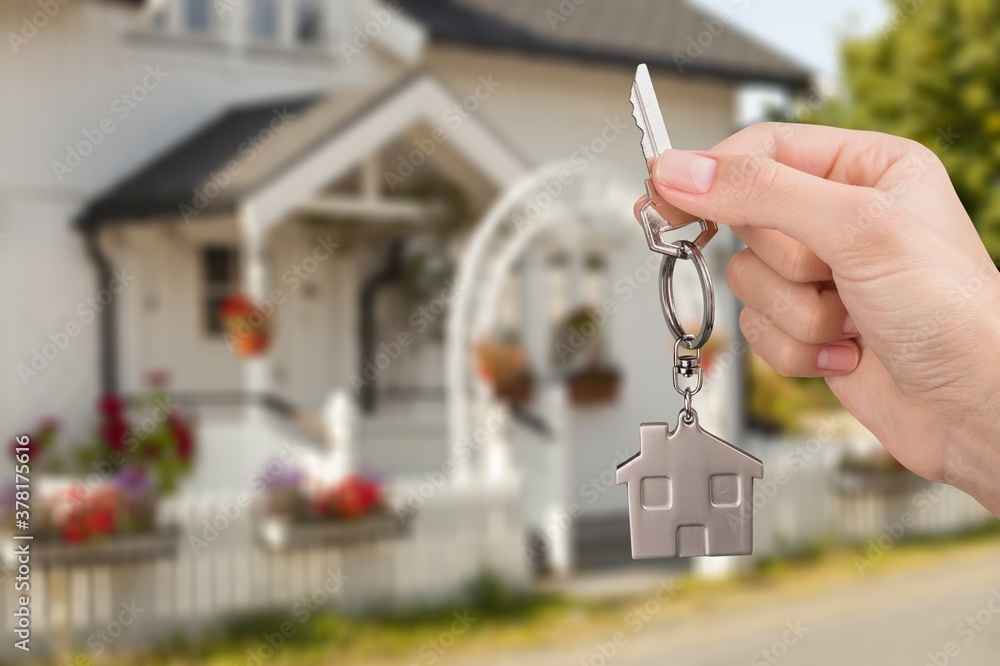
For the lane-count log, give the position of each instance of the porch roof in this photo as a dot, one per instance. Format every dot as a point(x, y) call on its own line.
point(167, 185)
point(622, 32)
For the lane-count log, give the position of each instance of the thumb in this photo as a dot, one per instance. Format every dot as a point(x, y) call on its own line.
point(757, 191)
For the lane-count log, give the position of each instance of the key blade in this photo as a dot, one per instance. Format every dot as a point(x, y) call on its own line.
point(646, 111)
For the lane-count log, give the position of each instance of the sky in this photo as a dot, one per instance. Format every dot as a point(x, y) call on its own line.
point(809, 32)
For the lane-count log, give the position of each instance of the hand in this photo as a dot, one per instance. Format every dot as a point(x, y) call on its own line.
point(863, 268)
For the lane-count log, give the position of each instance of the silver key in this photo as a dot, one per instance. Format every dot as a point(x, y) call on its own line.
point(655, 140)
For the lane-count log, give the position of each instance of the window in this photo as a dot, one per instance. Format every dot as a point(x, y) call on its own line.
point(656, 492)
point(264, 18)
point(725, 490)
point(198, 15)
point(309, 22)
point(220, 280)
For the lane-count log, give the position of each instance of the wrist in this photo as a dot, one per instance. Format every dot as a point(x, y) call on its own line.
point(973, 461)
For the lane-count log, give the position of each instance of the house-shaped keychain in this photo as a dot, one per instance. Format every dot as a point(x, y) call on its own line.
point(689, 493)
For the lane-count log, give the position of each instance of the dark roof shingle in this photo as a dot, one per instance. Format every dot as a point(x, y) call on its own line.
point(622, 31)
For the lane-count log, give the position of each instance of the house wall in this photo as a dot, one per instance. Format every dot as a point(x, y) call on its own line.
point(63, 82)
point(546, 109)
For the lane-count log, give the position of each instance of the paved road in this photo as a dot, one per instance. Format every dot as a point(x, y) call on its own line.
point(910, 617)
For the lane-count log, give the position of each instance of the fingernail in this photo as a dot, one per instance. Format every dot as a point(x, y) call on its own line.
point(849, 327)
point(685, 171)
point(838, 357)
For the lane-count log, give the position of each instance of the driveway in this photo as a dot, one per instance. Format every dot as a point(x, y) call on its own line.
point(942, 610)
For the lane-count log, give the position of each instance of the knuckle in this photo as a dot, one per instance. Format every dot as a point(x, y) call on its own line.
point(754, 175)
point(749, 326)
point(784, 361)
point(797, 262)
point(736, 272)
point(812, 324)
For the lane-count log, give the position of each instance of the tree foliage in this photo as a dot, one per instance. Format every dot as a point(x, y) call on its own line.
point(933, 71)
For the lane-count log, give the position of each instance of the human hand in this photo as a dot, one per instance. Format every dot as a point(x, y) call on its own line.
point(863, 268)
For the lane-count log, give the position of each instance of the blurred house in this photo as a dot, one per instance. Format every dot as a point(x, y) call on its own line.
point(163, 156)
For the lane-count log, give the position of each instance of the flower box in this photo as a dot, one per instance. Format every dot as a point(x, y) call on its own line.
point(115, 549)
point(279, 534)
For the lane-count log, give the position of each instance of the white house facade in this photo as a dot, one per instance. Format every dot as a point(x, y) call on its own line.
point(160, 156)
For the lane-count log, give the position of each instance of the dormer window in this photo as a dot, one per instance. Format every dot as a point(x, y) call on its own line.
point(198, 15)
point(264, 20)
point(260, 26)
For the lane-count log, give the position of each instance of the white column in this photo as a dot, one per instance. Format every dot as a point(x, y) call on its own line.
point(340, 416)
point(558, 518)
point(256, 370)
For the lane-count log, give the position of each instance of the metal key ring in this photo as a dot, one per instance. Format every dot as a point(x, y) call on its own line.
point(667, 302)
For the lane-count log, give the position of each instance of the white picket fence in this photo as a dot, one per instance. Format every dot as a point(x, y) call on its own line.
point(458, 534)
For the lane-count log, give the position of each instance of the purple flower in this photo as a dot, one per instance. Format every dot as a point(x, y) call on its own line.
point(288, 478)
point(134, 482)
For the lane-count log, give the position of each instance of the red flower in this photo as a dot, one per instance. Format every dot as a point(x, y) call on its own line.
point(113, 433)
point(101, 520)
point(355, 497)
point(75, 528)
point(182, 436)
point(111, 405)
point(32, 446)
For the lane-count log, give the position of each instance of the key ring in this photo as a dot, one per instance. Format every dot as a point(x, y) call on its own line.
point(669, 305)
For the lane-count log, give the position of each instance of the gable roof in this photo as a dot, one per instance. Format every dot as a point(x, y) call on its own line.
point(169, 180)
point(633, 464)
point(265, 150)
point(622, 31)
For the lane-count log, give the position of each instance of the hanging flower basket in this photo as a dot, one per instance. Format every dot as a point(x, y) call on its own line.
point(248, 328)
point(504, 366)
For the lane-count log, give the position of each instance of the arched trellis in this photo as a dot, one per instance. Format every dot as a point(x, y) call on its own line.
point(568, 201)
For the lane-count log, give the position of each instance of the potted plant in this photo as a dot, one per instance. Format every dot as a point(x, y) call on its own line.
point(248, 329)
point(579, 350)
point(594, 385)
point(503, 364)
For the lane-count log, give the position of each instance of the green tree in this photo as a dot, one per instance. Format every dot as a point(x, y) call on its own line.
point(932, 73)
